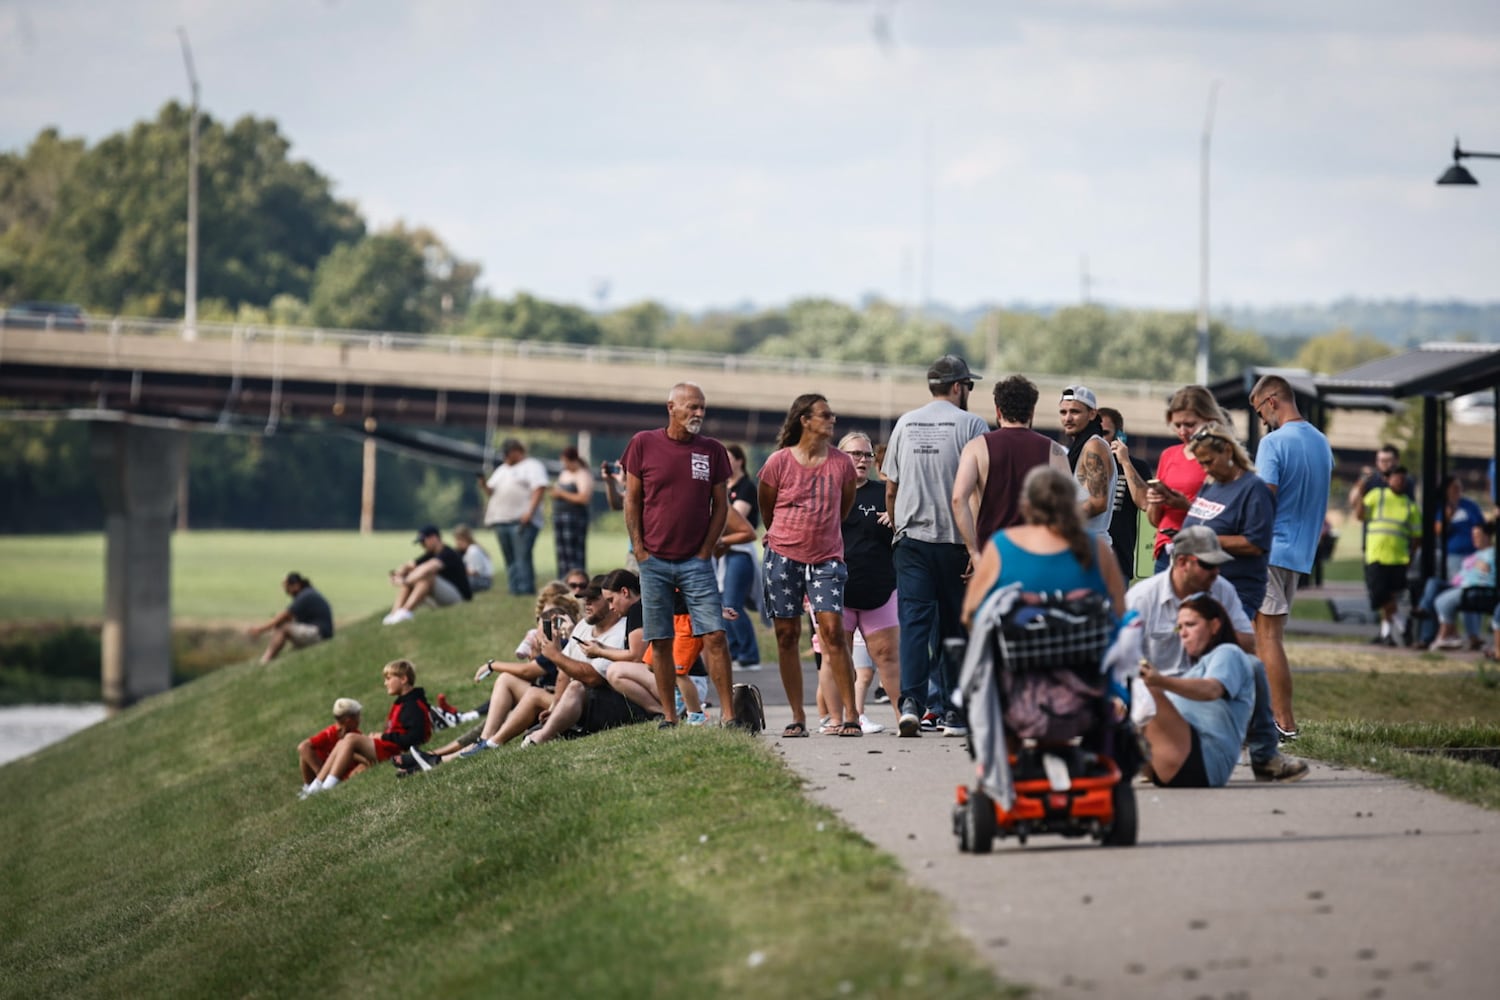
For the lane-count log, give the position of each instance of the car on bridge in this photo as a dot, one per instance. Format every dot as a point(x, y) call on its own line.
point(45, 316)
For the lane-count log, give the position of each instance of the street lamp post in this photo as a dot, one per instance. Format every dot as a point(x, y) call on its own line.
point(1208, 131)
point(1458, 173)
point(190, 293)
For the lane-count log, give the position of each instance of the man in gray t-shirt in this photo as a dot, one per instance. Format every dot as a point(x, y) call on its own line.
point(921, 462)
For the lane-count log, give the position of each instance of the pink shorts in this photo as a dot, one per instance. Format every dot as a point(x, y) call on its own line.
point(872, 621)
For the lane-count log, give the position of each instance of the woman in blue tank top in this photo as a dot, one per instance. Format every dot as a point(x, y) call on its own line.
point(1049, 550)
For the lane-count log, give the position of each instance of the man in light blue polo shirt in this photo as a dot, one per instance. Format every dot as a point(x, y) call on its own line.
point(1297, 463)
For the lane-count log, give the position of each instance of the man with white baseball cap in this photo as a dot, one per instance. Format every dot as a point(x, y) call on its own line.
point(1089, 456)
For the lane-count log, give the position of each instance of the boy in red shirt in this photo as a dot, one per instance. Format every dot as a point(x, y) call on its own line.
point(408, 724)
point(315, 750)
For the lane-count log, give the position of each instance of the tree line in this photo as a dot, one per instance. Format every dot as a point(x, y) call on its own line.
point(105, 226)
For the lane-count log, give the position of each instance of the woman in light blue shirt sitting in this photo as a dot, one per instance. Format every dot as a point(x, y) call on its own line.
point(1201, 716)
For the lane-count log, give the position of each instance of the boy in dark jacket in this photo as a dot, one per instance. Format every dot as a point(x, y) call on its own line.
point(408, 724)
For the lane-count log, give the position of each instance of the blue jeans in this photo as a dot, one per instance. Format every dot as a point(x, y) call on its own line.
point(930, 584)
point(516, 540)
point(1427, 629)
point(1260, 735)
point(739, 576)
point(660, 581)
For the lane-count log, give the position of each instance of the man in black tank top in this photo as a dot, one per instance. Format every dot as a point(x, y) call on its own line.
point(987, 489)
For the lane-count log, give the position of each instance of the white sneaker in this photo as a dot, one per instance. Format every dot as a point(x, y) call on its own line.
point(398, 616)
point(309, 790)
point(870, 727)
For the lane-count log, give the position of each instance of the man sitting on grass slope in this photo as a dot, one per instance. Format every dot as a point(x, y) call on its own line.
point(584, 697)
point(408, 724)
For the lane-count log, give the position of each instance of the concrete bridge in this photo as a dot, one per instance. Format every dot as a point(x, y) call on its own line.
point(284, 374)
point(144, 383)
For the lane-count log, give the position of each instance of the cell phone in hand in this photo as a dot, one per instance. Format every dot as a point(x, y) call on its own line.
point(1157, 484)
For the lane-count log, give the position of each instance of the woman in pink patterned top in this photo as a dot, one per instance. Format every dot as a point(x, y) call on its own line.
point(806, 490)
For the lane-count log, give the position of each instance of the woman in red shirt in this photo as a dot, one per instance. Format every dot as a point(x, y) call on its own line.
point(806, 491)
point(1178, 474)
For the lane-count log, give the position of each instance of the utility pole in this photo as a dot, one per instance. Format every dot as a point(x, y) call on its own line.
point(190, 293)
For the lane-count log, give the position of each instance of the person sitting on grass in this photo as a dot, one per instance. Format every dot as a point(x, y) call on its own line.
point(1202, 715)
point(407, 725)
point(584, 698)
point(476, 561)
point(522, 690)
point(530, 693)
point(314, 751)
point(438, 575)
point(307, 620)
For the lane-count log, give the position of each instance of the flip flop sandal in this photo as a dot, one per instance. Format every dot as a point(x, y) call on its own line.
point(793, 731)
point(851, 729)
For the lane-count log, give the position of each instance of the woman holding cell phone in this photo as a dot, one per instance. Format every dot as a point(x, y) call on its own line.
point(1179, 477)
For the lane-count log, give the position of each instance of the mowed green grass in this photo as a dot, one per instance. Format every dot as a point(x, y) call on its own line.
point(234, 577)
point(164, 853)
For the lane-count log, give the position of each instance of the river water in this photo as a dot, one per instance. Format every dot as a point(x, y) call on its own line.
point(25, 729)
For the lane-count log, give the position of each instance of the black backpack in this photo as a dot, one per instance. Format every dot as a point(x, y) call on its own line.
point(749, 710)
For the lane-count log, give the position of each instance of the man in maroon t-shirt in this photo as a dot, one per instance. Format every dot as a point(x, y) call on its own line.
point(676, 502)
point(987, 489)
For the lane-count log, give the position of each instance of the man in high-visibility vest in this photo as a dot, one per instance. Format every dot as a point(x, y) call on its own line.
point(1393, 526)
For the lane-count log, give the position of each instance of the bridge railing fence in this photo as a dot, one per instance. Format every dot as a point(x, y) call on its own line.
point(388, 341)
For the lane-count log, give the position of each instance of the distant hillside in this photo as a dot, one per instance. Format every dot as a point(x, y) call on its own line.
point(1398, 322)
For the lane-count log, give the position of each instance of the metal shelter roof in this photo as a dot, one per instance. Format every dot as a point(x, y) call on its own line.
point(1429, 370)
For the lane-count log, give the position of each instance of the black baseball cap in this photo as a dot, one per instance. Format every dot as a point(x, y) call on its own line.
point(425, 530)
point(948, 369)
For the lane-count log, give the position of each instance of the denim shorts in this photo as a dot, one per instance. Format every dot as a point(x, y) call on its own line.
point(787, 581)
point(662, 578)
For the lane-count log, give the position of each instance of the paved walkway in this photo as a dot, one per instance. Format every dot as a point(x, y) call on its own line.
point(1346, 884)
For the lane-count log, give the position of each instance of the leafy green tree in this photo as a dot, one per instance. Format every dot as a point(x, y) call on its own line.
point(116, 231)
point(880, 334)
point(29, 186)
point(375, 284)
point(1339, 351)
point(1092, 340)
point(526, 317)
point(642, 324)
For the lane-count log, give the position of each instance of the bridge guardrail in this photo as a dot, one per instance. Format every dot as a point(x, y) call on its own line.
point(375, 340)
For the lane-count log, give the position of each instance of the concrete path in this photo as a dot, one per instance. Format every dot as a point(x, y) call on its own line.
point(1346, 884)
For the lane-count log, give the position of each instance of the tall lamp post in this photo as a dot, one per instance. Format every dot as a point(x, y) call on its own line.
point(1458, 173)
point(1208, 131)
point(190, 306)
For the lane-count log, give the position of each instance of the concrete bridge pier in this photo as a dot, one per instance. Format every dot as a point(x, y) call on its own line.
point(138, 469)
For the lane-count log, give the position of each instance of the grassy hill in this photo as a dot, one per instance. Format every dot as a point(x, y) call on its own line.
point(164, 853)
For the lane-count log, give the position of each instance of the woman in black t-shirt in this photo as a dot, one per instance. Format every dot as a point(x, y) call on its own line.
point(870, 594)
point(737, 575)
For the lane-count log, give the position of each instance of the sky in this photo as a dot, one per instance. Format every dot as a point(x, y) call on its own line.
point(708, 153)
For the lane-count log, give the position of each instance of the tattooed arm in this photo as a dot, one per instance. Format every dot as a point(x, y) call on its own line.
point(1093, 472)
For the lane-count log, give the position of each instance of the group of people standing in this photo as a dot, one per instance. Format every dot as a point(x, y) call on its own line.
point(1383, 500)
point(515, 492)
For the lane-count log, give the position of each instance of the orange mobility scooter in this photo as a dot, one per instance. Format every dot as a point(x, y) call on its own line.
point(1049, 730)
